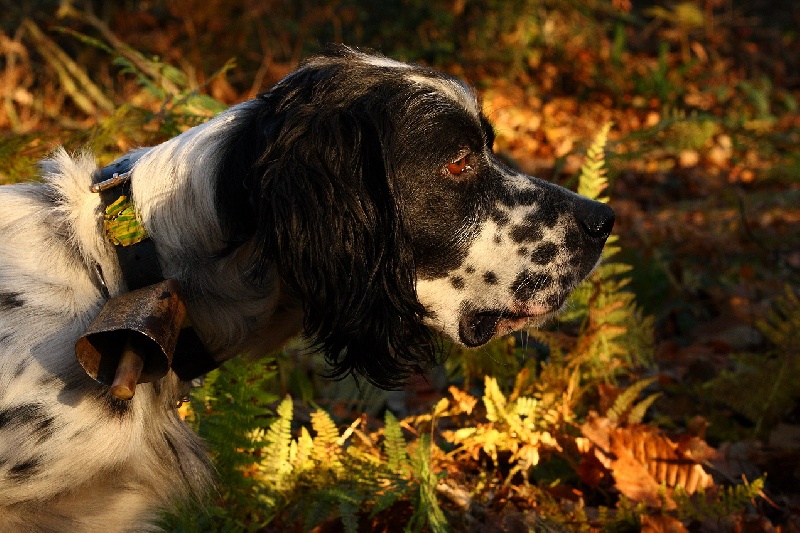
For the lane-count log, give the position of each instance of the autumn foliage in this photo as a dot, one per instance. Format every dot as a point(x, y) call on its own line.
point(665, 398)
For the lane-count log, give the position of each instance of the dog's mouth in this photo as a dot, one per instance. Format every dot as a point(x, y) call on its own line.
point(479, 327)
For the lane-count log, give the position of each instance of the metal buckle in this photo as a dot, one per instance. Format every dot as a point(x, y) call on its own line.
point(118, 178)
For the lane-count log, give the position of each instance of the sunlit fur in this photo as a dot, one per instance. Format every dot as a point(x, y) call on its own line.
point(323, 206)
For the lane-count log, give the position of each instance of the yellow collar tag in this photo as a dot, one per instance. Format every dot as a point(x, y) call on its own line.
point(122, 224)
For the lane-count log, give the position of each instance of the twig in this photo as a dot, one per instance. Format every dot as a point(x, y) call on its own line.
point(73, 78)
point(126, 51)
point(266, 62)
point(11, 61)
point(457, 495)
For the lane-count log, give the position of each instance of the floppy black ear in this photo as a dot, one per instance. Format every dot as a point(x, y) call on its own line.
point(327, 216)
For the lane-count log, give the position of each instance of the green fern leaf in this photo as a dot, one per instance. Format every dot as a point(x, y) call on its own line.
point(592, 181)
point(636, 415)
point(327, 450)
point(427, 510)
point(229, 411)
point(278, 466)
point(624, 401)
point(614, 333)
point(717, 503)
point(783, 322)
point(772, 377)
point(394, 445)
point(494, 400)
point(305, 444)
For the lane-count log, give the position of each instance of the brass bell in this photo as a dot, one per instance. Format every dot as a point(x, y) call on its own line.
point(133, 338)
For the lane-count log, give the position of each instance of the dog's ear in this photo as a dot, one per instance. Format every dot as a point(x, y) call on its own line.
point(329, 219)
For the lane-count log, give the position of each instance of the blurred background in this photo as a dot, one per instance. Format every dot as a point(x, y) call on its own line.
point(693, 329)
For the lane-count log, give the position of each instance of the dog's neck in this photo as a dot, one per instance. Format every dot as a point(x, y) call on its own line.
point(136, 253)
point(173, 188)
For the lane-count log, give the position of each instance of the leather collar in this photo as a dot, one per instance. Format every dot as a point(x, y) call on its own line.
point(140, 268)
point(138, 262)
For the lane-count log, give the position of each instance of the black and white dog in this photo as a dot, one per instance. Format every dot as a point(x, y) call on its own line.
point(357, 201)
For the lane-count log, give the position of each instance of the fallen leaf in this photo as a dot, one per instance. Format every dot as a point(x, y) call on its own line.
point(641, 459)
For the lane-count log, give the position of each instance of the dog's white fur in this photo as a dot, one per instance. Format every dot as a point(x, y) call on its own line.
point(124, 468)
point(83, 470)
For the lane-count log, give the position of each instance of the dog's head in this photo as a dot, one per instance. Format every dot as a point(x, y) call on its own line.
point(372, 187)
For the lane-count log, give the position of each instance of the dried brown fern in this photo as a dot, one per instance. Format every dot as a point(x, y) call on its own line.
point(641, 460)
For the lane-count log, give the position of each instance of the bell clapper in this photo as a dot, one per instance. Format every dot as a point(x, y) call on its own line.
point(128, 372)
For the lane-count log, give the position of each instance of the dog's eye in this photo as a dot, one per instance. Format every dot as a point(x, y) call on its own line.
point(459, 166)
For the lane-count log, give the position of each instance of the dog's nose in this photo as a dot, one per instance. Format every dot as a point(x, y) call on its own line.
point(596, 218)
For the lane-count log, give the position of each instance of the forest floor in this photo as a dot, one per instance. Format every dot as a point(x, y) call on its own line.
point(704, 167)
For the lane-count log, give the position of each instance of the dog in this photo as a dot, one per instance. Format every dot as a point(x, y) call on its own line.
point(358, 202)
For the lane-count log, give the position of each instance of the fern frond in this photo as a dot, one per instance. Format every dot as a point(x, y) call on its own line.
point(783, 322)
point(717, 503)
point(592, 181)
point(526, 407)
point(394, 445)
point(327, 450)
point(494, 400)
point(348, 511)
point(523, 427)
point(771, 377)
point(229, 411)
point(305, 444)
point(636, 415)
point(277, 467)
point(614, 332)
point(624, 402)
point(327, 433)
point(427, 510)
